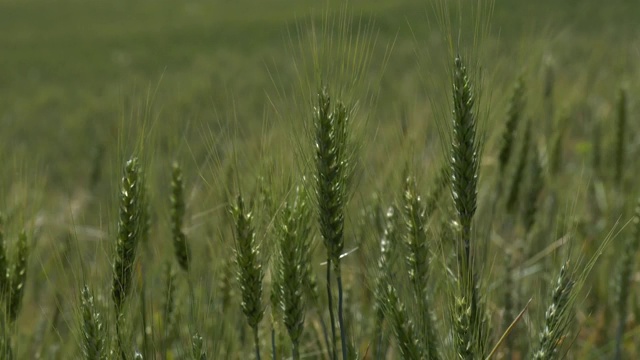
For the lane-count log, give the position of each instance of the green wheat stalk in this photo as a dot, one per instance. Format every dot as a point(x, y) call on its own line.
point(557, 317)
point(129, 227)
point(390, 234)
point(180, 245)
point(197, 348)
point(250, 270)
point(129, 230)
point(418, 261)
point(333, 171)
point(294, 231)
point(627, 265)
point(18, 277)
point(93, 335)
point(168, 306)
point(464, 159)
point(514, 114)
point(402, 325)
point(469, 320)
point(275, 298)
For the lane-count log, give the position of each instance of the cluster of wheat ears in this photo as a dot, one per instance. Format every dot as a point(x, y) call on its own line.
point(426, 277)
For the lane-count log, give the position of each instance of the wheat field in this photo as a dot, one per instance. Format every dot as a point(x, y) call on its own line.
point(301, 180)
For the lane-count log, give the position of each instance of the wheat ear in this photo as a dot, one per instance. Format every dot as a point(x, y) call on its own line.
point(385, 266)
point(129, 229)
point(403, 327)
point(333, 168)
point(180, 245)
point(469, 317)
point(18, 277)
point(514, 114)
point(417, 259)
point(93, 346)
point(250, 270)
point(556, 317)
point(294, 233)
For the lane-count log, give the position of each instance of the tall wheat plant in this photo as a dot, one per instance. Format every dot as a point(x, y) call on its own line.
point(333, 172)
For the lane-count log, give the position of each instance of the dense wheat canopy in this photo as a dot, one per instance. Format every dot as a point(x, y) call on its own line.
point(381, 179)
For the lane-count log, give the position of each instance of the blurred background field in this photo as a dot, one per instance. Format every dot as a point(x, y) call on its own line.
point(74, 69)
point(85, 83)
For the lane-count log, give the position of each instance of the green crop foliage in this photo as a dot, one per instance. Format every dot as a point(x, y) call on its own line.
point(379, 180)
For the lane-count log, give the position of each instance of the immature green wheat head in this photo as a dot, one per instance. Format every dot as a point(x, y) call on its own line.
point(295, 245)
point(418, 258)
point(469, 316)
point(250, 270)
point(514, 114)
point(93, 336)
point(332, 171)
point(129, 227)
point(557, 318)
point(180, 245)
point(465, 163)
point(18, 277)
